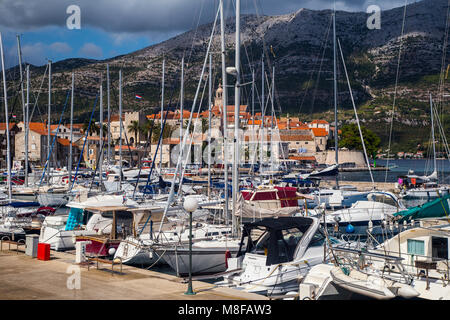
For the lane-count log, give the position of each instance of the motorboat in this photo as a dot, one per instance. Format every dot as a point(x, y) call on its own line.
point(273, 253)
point(425, 250)
point(269, 201)
point(210, 248)
point(363, 215)
point(335, 198)
point(60, 231)
point(352, 276)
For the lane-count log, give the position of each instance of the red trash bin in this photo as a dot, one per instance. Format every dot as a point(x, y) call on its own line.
point(43, 251)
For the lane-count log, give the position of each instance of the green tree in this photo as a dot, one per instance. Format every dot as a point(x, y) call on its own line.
point(135, 129)
point(205, 125)
point(191, 127)
point(350, 139)
point(168, 130)
point(146, 129)
point(94, 128)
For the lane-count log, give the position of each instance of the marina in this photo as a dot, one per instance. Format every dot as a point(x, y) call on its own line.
point(174, 172)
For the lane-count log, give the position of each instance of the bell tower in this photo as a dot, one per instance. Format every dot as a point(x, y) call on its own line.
point(218, 99)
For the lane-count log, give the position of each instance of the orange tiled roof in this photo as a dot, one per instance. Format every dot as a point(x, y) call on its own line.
point(3, 126)
point(65, 142)
point(311, 158)
point(320, 121)
point(319, 132)
point(171, 141)
point(116, 148)
point(39, 128)
point(254, 122)
point(296, 137)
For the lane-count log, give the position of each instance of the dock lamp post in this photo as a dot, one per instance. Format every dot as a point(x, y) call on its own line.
point(190, 205)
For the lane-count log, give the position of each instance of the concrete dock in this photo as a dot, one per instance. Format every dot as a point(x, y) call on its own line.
point(23, 277)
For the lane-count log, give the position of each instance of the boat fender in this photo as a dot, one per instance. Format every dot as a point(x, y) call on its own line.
point(350, 228)
point(404, 291)
point(227, 256)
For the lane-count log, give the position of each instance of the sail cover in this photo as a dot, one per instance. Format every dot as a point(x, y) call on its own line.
point(437, 208)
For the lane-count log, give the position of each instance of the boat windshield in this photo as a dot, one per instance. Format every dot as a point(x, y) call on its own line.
point(279, 246)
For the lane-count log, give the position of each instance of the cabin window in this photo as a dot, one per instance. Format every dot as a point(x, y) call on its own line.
point(317, 240)
point(439, 248)
point(287, 242)
point(416, 247)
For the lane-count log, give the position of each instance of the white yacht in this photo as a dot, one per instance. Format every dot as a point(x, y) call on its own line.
point(60, 231)
point(273, 253)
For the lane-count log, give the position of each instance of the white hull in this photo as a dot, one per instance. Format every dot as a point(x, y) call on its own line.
point(60, 239)
point(204, 260)
point(431, 193)
point(134, 252)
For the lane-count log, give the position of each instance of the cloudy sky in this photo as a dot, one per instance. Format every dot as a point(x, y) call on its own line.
point(113, 27)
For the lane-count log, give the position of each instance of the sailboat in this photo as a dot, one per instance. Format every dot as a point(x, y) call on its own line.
point(209, 255)
point(323, 196)
point(426, 187)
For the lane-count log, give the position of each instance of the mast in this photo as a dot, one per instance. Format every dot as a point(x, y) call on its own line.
point(432, 134)
point(224, 109)
point(100, 162)
point(261, 131)
point(120, 128)
point(209, 125)
point(48, 121)
point(19, 53)
point(273, 114)
point(162, 115)
point(5, 95)
point(181, 104)
point(237, 99)
point(336, 149)
point(253, 119)
point(109, 115)
point(71, 129)
point(26, 124)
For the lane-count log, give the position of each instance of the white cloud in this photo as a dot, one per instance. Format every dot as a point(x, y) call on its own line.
point(91, 50)
point(36, 53)
point(61, 47)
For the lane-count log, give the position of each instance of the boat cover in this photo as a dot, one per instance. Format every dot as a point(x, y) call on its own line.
point(437, 208)
point(75, 218)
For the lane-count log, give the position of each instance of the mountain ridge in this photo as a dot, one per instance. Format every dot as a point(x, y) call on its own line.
point(303, 68)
